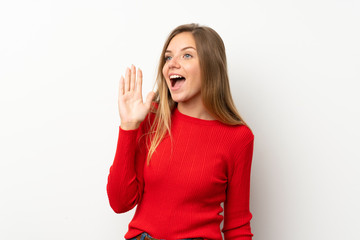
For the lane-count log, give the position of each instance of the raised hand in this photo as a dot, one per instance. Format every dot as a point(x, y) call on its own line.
point(132, 109)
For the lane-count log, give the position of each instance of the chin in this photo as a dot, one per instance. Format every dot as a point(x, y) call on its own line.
point(177, 99)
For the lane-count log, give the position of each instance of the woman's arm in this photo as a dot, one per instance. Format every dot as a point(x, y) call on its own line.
point(237, 214)
point(125, 180)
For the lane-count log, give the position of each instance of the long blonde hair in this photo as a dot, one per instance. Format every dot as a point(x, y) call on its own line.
point(215, 89)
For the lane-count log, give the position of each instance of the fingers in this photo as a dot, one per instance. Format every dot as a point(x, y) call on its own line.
point(133, 78)
point(130, 79)
point(139, 83)
point(127, 80)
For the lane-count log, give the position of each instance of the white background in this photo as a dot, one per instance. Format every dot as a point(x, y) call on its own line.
point(294, 68)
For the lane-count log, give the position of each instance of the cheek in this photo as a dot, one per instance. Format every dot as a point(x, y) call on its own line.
point(194, 68)
point(165, 72)
point(195, 71)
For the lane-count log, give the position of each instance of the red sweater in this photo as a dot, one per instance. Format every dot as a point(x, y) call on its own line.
point(179, 194)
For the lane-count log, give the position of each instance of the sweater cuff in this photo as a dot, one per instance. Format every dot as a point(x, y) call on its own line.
point(132, 131)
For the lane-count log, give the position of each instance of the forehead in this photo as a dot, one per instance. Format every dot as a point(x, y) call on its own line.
point(180, 41)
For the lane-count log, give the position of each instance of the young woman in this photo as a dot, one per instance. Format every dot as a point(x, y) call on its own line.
point(185, 150)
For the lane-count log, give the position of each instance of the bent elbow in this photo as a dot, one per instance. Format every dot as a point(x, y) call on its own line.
point(120, 208)
point(123, 198)
point(122, 204)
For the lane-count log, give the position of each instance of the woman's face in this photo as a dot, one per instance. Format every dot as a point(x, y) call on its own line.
point(182, 69)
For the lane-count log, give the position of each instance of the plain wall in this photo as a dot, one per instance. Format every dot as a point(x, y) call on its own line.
point(294, 72)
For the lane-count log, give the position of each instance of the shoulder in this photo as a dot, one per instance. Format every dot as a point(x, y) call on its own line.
point(242, 148)
point(240, 138)
point(240, 133)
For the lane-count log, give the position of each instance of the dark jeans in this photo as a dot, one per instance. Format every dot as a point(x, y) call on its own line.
point(145, 236)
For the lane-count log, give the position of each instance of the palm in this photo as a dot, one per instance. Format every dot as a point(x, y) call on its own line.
point(132, 109)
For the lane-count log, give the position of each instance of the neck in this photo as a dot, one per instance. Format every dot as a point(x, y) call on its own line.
point(194, 110)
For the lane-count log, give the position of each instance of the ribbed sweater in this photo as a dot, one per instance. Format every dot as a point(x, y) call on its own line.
point(179, 195)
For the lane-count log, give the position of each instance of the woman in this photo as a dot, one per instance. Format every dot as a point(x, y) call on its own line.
point(182, 154)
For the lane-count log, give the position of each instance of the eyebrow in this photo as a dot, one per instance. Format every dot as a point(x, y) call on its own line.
point(182, 49)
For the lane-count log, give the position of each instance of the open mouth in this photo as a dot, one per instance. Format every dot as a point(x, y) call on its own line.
point(176, 80)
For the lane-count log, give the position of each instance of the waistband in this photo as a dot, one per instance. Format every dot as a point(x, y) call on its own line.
point(146, 236)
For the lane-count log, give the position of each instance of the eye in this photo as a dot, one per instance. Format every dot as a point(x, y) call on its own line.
point(187, 55)
point(167, 58)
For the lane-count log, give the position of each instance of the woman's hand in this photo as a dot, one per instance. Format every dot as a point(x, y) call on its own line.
point(132, 109)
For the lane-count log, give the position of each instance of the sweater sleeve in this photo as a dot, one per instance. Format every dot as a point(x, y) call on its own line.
point(237, 214)
point(125, 180)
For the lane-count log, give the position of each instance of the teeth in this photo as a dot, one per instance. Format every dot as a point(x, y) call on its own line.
point(175, 76)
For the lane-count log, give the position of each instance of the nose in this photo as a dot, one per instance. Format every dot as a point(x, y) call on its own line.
point(173, 63)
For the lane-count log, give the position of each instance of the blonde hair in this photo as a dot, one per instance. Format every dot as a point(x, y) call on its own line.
point(215, 89)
